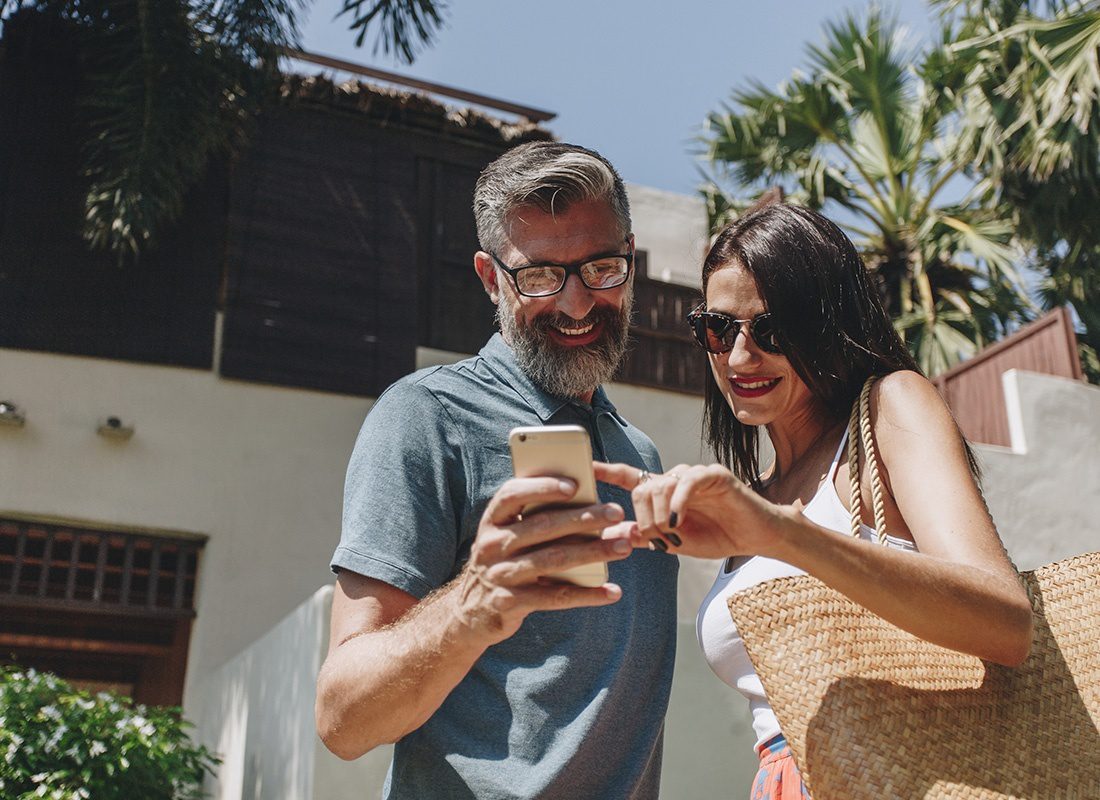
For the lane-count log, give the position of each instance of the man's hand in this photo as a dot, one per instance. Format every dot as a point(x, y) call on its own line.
point(393, 659)
point(506, 576)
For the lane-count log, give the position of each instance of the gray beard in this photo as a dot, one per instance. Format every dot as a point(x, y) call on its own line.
point(566, 371)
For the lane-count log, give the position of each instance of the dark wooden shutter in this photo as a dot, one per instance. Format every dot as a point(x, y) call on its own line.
point(322, 269)
point(55, 295)
point(456, 313)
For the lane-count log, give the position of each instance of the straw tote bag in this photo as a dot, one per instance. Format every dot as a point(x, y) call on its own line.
point(871, 711)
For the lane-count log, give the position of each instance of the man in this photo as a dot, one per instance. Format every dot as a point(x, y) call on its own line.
point(446, 638)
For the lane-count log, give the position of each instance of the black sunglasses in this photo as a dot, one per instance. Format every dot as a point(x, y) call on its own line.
point(716, 332)
point(605, 271)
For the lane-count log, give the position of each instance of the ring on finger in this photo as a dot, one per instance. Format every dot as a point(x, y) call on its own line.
point(643, 476)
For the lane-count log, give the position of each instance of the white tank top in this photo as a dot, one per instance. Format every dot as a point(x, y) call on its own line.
point(722, 647)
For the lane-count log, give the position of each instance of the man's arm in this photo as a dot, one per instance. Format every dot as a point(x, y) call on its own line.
point(373, 687)
point(393, 660)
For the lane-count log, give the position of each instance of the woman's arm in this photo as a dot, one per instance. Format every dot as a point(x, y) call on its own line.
point(959, 591)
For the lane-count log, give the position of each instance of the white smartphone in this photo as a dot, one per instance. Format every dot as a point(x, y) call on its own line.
point(560, 451)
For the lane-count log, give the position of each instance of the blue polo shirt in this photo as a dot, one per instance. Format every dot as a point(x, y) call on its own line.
point(572, 705)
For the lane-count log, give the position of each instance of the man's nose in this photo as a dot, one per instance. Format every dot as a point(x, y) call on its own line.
point(575, 299)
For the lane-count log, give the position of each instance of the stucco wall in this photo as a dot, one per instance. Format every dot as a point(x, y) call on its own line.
point(256, 710)
point(258, 469)
point(673, 229)
point(1043, 490)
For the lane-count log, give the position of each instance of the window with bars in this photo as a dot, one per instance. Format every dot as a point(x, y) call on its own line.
point(99, 606)
point(67, 565)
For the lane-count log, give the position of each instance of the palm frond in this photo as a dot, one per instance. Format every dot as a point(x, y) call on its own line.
point(403, 26)
point(940, 341)
point(166, 86)
point(867, 131)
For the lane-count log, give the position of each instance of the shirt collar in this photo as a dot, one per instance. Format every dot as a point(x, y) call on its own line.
point(503, 361)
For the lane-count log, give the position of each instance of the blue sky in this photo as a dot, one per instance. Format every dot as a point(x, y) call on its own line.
point(634, 80)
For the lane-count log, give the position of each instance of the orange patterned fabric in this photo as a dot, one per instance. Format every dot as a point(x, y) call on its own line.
point(778, 778)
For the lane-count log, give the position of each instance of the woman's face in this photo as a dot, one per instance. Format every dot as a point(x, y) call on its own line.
point(760, 387)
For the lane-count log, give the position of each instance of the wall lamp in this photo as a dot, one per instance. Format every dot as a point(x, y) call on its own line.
point(114, 428)
point(11, 414)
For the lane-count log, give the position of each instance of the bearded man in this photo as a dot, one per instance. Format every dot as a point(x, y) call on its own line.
point(447, 637)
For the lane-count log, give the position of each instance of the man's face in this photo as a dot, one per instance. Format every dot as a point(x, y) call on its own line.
point(572, 341)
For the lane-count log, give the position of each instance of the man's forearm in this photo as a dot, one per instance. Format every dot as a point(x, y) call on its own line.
point(378, 686)
point(400, 658)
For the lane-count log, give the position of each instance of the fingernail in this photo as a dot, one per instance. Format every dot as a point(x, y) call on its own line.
point(566, 486)
point(613, 511)
point(673, 520)
point(621, 546)
point(660, 544)
point(676, 540)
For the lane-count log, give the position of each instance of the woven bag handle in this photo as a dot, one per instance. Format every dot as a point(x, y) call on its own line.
point(859, 430)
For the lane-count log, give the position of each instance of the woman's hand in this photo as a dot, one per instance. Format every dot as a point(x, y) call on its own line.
point(701, 511)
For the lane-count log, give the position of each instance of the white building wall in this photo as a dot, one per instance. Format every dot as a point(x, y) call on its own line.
point(672, 228)
point(1044, 490)
point(256, 709)
point(260, 470)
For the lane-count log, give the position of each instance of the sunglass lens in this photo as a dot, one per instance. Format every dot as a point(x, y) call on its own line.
point(763, 333)
point(713, 333)
point(699, 331)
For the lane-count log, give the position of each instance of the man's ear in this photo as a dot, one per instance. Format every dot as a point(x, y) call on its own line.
point(487, 271)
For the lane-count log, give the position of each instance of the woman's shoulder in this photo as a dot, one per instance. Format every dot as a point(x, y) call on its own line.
point(903, 386)
point(909, 402)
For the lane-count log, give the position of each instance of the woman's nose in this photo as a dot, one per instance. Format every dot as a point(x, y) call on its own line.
point(743, 354)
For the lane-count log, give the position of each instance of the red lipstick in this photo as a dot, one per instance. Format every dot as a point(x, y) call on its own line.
point(755, 390)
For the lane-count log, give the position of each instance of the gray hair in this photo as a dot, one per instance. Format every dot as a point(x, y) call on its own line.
point(550, 176)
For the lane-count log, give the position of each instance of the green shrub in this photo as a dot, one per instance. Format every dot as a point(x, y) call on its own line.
point(63, 744)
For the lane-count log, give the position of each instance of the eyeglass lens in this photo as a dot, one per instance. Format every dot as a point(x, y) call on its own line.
point(718, 332)
point(604, 273)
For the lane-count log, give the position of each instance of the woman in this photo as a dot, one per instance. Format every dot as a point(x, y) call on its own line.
point(793, 328)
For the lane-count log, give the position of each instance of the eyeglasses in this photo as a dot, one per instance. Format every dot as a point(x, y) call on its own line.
point(605, 271)
point(716, 332)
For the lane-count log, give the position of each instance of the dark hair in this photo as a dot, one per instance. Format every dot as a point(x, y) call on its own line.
point(829, 318)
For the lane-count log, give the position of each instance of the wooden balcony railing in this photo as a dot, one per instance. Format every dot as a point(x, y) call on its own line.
point(662, 354)
point(53, 564)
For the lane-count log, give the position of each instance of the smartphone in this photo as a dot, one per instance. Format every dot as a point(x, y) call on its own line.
point(560, 451)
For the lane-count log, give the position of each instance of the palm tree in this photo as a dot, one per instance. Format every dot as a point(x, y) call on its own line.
point(871, 137)
point(1031, 100)
point(167, 84)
